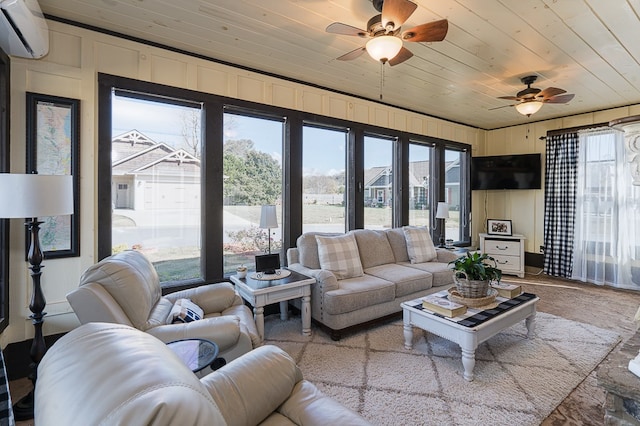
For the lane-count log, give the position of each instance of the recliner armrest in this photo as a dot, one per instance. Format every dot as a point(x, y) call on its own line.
point(210, 297)
point(250, 388)
point(222, 330)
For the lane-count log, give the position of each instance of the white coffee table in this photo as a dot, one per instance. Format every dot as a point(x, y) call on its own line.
point(469, 337)
point(260, 293)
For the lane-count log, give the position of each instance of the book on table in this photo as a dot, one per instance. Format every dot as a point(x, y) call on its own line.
point(443, 306)
point(507, 290)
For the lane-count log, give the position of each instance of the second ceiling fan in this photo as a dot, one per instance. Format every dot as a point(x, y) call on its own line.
point(384, 30)
point(531, 99)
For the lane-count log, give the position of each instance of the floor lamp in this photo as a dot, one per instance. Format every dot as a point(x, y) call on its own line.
point(31, 196)
point(442, 213)
point(268, 220)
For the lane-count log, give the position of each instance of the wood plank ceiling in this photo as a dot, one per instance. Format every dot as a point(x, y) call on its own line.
point(588, 47)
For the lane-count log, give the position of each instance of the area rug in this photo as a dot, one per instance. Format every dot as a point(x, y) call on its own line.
point(518, 381)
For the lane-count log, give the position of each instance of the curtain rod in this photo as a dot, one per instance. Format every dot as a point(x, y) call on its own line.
point(573, 129)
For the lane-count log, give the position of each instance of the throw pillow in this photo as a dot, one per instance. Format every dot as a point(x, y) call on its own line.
point(340, 256)
point(419, 245)
point(184, 310)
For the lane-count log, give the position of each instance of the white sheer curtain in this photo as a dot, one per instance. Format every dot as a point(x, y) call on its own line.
point(607, 225)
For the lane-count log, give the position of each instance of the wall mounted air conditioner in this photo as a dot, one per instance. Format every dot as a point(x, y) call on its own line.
point(23, 29)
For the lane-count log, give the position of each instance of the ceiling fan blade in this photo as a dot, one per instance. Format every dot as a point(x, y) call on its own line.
point(510, 98)
point(549, 92)
point(561, 99)
point(402, 56)
point(344, 29)
point(503, 106)
point(432, 31)
point(396, 12)
point(352, 55)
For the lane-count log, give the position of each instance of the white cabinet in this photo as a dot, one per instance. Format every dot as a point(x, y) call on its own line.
point(508, 251)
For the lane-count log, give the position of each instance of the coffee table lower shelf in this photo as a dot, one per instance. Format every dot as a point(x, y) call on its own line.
point(469, 337)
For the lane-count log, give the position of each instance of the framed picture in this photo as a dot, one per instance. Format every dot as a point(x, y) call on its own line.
point(499, 227)
point(53, 129)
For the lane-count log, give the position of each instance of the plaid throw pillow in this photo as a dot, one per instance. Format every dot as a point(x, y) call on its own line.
point(419, 245)
point(340, 256)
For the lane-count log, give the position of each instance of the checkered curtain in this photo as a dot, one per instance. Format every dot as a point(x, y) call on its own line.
point(560, 203)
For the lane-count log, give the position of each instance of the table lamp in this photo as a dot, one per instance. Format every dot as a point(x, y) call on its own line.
point(31, 196)
point(442, 213)
point(268, 220)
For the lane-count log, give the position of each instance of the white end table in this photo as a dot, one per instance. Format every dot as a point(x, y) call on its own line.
point(260, 293)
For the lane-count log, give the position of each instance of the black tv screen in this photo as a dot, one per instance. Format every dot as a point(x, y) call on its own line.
point(522, 171)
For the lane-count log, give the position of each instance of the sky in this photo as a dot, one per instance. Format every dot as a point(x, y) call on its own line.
point(323, 149)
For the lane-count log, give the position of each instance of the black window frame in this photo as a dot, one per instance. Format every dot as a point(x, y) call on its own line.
point(5, 102)
point(214, 107)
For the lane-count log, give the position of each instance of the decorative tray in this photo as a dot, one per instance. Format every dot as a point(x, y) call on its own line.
point(475, 302)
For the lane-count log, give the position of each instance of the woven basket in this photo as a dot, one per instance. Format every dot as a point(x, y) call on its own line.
point(470, 288)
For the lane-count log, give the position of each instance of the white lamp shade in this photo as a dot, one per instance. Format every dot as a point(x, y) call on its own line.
point(528, 107)
point(268, 218)
point(443, 211)
point(33, 195)
point(384, 48)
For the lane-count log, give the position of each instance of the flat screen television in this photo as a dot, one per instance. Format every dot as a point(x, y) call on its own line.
point(523, 171)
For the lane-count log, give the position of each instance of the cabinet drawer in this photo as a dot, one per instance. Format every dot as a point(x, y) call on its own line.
point(507, 263)
point(509, 248)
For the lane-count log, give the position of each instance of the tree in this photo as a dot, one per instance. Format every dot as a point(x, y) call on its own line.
point(191, 130)
point(251, 177)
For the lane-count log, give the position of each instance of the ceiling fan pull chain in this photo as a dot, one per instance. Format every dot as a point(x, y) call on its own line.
point(381, 78)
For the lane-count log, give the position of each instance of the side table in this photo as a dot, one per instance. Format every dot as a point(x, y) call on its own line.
point(260, 293)
point(197, 354)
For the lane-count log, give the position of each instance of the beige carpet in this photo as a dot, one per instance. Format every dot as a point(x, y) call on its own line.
point(517, 381)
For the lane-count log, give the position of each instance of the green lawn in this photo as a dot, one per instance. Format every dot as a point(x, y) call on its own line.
point(189, 267)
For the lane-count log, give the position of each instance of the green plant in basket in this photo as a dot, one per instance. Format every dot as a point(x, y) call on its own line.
point(475, 266)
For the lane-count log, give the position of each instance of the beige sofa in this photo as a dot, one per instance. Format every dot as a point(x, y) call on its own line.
point(390, 275)
point(112, 374)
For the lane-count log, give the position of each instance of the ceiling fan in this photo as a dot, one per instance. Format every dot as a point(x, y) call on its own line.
point(531, 99)
point(386, 39)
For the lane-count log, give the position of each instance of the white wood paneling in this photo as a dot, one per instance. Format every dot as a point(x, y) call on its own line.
point(587, 47)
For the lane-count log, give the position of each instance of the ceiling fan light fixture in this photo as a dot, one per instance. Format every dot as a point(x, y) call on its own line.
point(529, 107)
point(384, 48)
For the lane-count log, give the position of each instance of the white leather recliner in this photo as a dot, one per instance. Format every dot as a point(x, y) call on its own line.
point(110, 374)
point(124, 289)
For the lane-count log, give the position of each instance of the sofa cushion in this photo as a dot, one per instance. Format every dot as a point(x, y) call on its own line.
point(442, 272)
point(374, 248)
point(358, 293)
point(407, 280)
point(398, 244)
point(419, 245)
point(340, 255)
point(308, 249)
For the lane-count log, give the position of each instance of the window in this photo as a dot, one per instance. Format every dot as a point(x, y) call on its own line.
point(378, 182)
point(252, 178)
point(156, 174)
point(182, 176)
point(606, 248)
point(453, 195)
point(324, 179)
point(420, 163)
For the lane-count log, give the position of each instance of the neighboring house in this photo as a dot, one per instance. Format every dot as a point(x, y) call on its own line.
point(379, 182)
point(147, 175)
